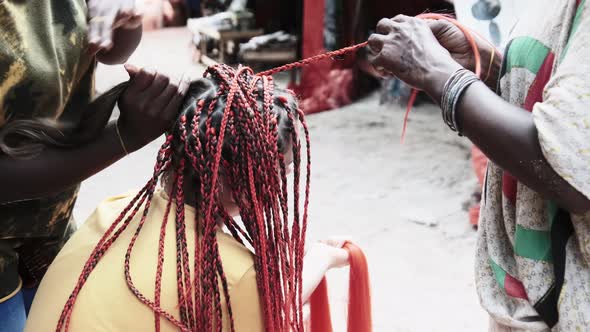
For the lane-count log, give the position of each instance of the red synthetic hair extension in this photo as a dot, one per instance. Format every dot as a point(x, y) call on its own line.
point(320, 316)
point(359, 297)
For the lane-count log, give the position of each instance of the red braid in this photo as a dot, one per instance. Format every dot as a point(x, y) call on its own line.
point(243, 142)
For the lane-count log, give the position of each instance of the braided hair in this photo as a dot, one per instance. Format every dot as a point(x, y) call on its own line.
point(239, 126)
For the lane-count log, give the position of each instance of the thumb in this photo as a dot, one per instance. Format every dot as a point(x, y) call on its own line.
point(131, 70)
point(439, 27)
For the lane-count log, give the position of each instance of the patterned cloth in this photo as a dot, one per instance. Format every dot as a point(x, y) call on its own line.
point(44, 72)
point(532, 267)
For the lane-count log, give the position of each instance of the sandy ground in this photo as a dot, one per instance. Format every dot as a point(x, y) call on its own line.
point(403, 204)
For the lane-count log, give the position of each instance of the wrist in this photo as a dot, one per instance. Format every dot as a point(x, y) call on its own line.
point(111, 133)
point(129, 141)
point(437, 77)
point(121, 141)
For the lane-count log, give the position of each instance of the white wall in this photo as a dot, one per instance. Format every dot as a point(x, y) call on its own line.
point(511, 9)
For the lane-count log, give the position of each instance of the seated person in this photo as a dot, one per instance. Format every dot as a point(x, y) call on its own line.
point(176, 269)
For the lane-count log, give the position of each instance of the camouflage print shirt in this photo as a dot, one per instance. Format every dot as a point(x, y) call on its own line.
point(44, 72)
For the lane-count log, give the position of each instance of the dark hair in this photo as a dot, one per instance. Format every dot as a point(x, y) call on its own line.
point(205, 91)
point(243, 124)
point(26, 138)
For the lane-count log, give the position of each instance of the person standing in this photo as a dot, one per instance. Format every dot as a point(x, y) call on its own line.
point(533, 251)
point(47, 76)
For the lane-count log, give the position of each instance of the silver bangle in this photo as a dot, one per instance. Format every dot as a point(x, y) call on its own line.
point(453, 89)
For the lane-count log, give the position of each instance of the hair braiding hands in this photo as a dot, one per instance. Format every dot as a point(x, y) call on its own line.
point(454, 40)
point(333, 250)
point(407, 48)
point(105, 16)
point(149, 106)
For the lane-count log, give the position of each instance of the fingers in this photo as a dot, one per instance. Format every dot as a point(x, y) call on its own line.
point(141, 81)
point(439, 27)
point(131, 70)
point(134, 21)
point(94, 29)
point(106, 32)
point(155, 89)
point(128, 7)
point(379, 61)
point(105, 17)
point(337, 241)
point(170, 112)
point(388, 25)
point(401, 18)
point(376, 42)
point(169, 101)
point(385, 26)
point(100, 26)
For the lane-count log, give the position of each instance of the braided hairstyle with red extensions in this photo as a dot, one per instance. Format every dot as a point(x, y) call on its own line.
point(237, 128)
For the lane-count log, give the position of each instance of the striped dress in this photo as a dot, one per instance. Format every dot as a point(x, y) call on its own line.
point(533, 258)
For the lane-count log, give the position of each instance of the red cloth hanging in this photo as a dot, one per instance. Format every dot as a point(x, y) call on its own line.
point(326, 84)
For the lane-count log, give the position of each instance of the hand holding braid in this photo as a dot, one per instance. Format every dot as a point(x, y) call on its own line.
point(149, 106)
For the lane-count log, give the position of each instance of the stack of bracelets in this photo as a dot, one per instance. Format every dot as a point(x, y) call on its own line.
point(459, 81)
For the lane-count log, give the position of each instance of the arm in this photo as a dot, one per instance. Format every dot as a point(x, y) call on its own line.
point(317, 261)
point(125, 41)
point(114, 30)
point(57, 169)
point(148, 106)
point(507, 134)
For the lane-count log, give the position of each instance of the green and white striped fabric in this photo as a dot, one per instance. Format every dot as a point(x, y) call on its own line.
point(533, 258)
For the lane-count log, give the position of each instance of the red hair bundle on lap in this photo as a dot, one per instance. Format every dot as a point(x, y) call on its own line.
point(359, 297)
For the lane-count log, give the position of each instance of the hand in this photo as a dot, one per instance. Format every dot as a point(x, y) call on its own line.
point(406, 47)
point(453, 39)
point(149, 106)
point(332, 249)
point(105, 17)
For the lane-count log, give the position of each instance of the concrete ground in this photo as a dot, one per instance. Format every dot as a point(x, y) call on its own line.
point(403, 204)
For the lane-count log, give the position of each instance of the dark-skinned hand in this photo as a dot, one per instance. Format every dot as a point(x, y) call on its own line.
point(149, 106)
point(105, 16)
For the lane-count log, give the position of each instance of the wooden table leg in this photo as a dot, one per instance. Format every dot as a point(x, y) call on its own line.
point(222, 50)
point(202, 47)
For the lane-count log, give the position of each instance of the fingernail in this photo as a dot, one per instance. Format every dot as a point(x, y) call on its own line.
point(131, 69)
point(129, 66)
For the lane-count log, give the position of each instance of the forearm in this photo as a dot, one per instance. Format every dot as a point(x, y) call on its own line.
point(125, 41)
point(57, 169)
point(508, 136)
point(315, 267)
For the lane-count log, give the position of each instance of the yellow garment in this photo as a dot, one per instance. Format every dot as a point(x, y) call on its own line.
point(105, 302)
